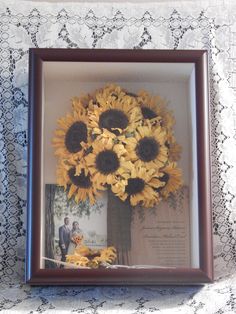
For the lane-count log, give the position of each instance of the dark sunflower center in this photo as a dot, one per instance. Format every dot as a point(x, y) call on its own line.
point(134, 186)
point(76, 134)
point(107, 162)
point(148, 113)
point(147, 149)
point(113, 118)
point(165, 178)
point(81, 181)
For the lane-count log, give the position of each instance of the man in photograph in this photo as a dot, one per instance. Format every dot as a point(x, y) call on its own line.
point(64, 238)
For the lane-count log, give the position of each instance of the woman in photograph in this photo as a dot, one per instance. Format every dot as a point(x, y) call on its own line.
point(76, 237)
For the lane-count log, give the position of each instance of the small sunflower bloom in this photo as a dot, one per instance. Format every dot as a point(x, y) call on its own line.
point(106, 162)
point(172, 179)
point(114, 111)
point(80, 186)
point(71, 135)
point(147, 147)
point(139, 187)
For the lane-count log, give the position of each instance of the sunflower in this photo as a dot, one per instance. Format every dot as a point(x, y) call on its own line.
point(92, 258)
point(148, 105)
point(107, 255)
point(80, 186)
point(174, 149)
point(139, 187)
point(72, 134)
point(147, 147)
point(77, 260)
point(172, 179)
point(167, 118)
point(154, 109)
point(114, 111)
point(106, 161)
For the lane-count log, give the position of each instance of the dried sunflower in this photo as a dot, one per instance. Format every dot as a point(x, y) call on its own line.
point(167, 118)
point(172, 179)
point(92, 258)
point(147, 147)
point(140, 187)
point(105, 162)
point(174, 149)
point(78, 260)
point(148, 104)
point(80, 186)
point(107, 255)
point(72, 133)
point(154, 109)
point(116, 112)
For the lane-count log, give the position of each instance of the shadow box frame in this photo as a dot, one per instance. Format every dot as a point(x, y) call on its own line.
point(35, 275)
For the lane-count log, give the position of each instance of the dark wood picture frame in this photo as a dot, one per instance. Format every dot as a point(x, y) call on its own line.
point(37, 276)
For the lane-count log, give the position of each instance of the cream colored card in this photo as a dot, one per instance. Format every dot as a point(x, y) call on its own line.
point(161, 237)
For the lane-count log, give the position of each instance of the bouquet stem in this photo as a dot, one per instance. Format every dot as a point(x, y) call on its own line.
point(119, 215)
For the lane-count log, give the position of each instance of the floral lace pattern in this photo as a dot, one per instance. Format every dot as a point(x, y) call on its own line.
point(168, 25)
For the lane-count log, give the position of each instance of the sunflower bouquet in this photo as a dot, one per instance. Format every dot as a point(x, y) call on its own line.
point(92, 258)
point(117, 140)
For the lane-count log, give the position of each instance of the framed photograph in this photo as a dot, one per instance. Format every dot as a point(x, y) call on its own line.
point(118, 168)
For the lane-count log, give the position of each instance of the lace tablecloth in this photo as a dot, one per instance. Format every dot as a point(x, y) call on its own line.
point(170, 25)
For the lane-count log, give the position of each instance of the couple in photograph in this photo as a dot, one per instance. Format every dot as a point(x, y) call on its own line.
point(66, 237)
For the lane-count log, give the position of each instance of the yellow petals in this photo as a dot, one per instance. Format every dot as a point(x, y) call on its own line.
point(84, 256)
point(174, 181)
point(123, 139)
point(72, 190)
